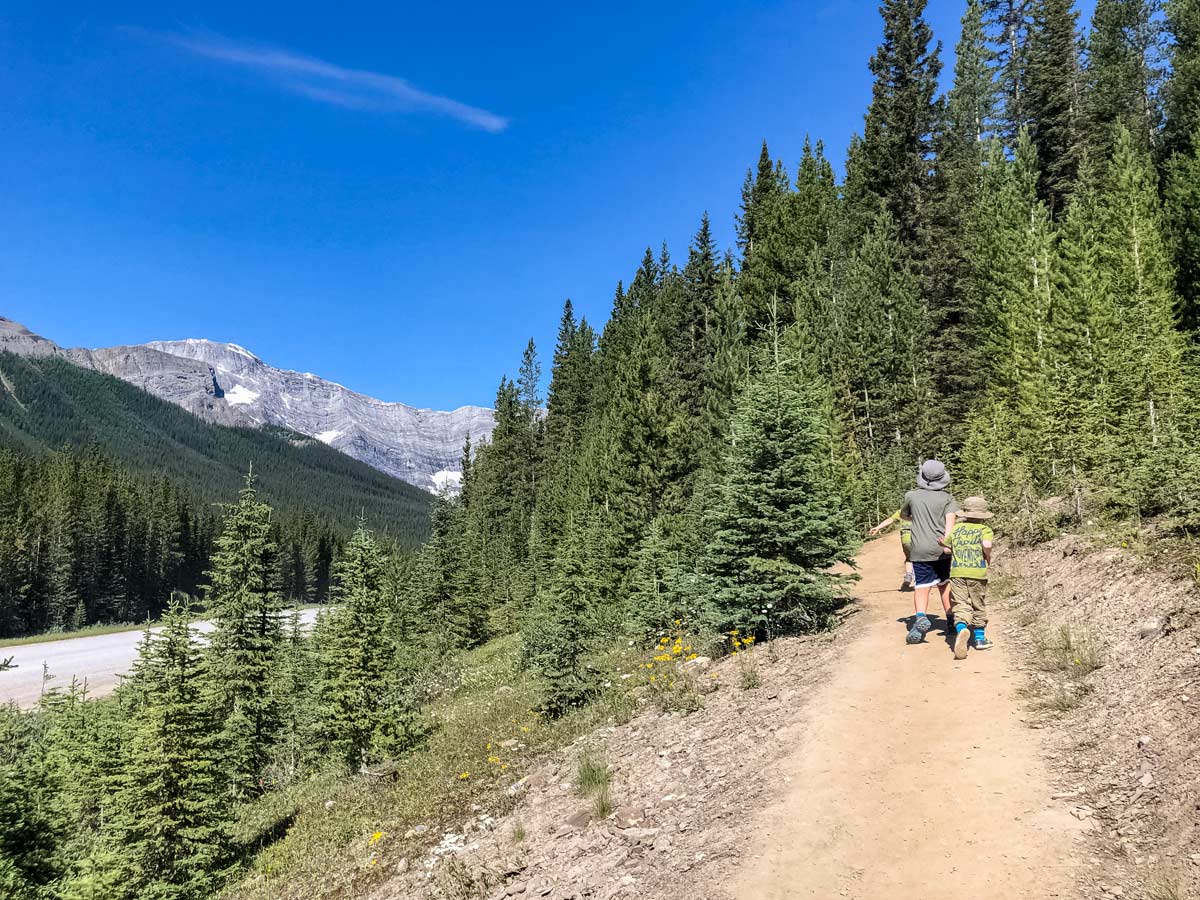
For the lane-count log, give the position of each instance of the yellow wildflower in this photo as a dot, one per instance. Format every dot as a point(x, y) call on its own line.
point(463, 776)
point(375, 838)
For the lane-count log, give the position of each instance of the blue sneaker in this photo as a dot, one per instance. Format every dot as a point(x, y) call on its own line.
point(961, 639)
point(981, 640)
point(916, 634)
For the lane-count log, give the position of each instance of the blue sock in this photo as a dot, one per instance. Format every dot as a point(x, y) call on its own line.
point(979, 634)
point(922, 615)
point(961, 626)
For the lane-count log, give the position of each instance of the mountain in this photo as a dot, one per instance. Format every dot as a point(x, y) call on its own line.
point(421, 446)
point(48, 401)
point(228, 385)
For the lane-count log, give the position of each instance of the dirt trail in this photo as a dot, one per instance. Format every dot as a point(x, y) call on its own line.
point(913, 776)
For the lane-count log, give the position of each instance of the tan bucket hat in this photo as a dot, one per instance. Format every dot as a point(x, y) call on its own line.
point(975, 508)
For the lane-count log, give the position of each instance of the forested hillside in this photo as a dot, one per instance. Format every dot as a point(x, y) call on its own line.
point(109, 499)
point(1005, 276)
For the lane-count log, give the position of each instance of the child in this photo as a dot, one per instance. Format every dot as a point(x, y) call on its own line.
point(905, 542)
point(971, 545)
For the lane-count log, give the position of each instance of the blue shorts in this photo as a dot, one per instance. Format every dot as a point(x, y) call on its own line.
point(931, 574)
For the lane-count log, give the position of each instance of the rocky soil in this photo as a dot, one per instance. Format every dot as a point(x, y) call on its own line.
point(1126, 746)
point(682, 790)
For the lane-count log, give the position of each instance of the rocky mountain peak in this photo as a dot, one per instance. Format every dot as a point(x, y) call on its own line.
point(228, 384)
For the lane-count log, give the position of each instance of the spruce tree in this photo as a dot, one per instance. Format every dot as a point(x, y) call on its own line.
point(245, 607)
point(167, 835)
point(363, 712)
point(1124, 74)
point(891, 167)
point(961, 146)
point(780, 523)
point(1181, 92)
point(1008, 23)
point(1181, 149)
point(1053, 100)
point(1141, 386)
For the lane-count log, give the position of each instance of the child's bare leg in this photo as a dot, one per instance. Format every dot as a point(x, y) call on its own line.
point(920, 600)
point(944, 590)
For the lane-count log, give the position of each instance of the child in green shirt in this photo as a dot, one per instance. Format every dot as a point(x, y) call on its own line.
point(971, 547)
point(905, 542)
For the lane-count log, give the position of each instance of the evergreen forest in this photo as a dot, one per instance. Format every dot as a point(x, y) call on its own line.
point(1005, 276)
point(110, 499)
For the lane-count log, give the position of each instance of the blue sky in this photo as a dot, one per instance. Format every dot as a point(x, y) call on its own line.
point(393, 196)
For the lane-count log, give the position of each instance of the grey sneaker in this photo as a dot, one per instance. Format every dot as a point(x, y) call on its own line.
point(960, 643)
point(916, 634)
point(982, 643)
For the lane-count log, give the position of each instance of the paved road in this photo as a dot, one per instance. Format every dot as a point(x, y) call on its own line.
point(100, 660)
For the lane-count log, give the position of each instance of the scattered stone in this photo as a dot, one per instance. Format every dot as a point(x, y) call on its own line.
point(628, 817)
point(1149, 628)
point(1143, 742)
point(579, 819)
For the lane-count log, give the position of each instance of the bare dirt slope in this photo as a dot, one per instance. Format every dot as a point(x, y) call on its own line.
point(913, 776)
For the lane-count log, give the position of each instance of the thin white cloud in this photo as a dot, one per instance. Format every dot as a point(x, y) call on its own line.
point(325, 82)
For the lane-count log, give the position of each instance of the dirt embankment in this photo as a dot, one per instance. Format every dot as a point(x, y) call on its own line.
point(1112, 650)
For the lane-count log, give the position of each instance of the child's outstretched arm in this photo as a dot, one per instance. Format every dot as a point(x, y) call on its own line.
point(886, 523)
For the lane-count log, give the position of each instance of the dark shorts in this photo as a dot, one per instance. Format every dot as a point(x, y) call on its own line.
point(931, 574)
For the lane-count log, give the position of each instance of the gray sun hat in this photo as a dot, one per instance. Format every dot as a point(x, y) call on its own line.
point(975, 508)
point(933, 475)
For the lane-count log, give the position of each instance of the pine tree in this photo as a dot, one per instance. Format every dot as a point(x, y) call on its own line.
point(1008, 23)
point(780, 524)
point(1141, 391)
point(562, 628)
point(245, 606)
point(1181, 150)
point(362, 712)
point(1053, 100)
point(1123, 74)
point(1181, 93)
point(891, 168)
point(961, 145)
point(167, 835)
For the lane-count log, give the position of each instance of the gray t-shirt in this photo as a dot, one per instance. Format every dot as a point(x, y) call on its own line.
point(928, 510)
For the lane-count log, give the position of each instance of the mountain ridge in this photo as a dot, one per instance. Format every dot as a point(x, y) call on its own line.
point(228, 384)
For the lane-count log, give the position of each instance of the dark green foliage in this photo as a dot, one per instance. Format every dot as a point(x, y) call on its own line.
point(48, 404)
point(1053, 99)
point(962, 145)
point(243, 650)
point(166, 834)
point(1124, 74)
point(365, 711)
point(1008, 23)
point(890, 169)
point(1181, 150)
point(781, 520)
point(1181, 93)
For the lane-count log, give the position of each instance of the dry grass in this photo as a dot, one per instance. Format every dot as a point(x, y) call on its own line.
point(1073, 650)
point(485, 737)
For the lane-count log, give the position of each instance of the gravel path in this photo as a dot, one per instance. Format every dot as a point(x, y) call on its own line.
point(913, 777)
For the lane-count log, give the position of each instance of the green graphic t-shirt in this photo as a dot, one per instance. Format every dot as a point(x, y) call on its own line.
point(905, 528)
point(967, 540)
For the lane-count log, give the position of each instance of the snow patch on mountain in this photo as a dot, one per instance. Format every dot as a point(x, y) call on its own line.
point(240, 395)
point(447, 480)
point(421, 446)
